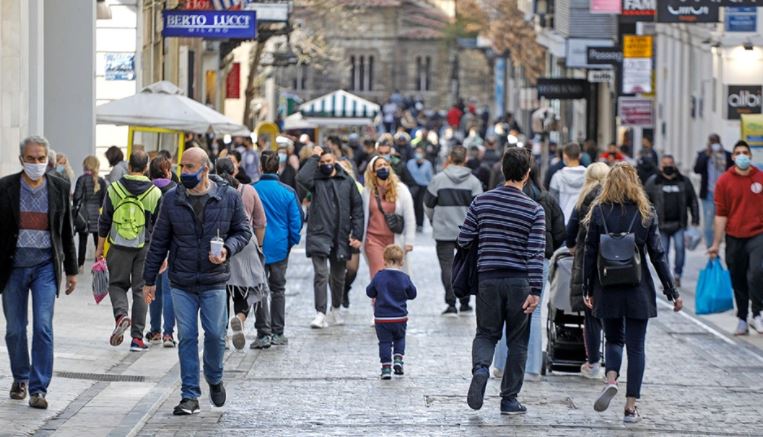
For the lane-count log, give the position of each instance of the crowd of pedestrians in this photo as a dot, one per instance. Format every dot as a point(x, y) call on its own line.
point(206, 240)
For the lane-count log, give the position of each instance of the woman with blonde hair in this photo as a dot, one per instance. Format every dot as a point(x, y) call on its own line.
point(594, 176)
point(385, 195)
point(626, 300)
point(89, 191)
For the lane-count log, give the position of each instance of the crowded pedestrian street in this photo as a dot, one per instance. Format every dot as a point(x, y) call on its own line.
point(699, 379)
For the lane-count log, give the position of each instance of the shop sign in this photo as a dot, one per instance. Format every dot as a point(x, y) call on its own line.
point(233, 82)
point(119, 66)
point(210, 24)
point(601, 76)
point(638, 10)
point(742, 19)
point(637, 76)
point(270, 11)
point(604, 55)
point(742, 100)
point(577, 51)
point(687, 11)
point(635, 111)
point(606, 6)
point(733, 3)
point(637, 46)
point(562, 89)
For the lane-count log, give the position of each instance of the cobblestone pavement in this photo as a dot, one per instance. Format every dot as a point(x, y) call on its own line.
point(699, 381)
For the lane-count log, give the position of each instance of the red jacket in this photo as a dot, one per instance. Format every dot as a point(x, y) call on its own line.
point(454, 116)
point(740, 198)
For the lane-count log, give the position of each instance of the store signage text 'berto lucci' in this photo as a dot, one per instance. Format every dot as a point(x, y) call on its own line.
point(210, 24)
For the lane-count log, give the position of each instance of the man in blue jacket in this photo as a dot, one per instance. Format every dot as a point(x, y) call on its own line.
point(284, 223)
point(191, 215)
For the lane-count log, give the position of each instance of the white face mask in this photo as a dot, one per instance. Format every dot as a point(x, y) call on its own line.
point(715, 147)
point(35, 171)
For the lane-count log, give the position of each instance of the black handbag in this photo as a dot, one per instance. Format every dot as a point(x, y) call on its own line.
point(619, 260)
point(80, 221)
point(395, 222)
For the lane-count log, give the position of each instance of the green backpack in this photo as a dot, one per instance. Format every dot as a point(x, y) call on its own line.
point(128, 226)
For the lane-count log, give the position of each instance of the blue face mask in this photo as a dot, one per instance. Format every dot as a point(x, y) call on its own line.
point(742, 162)
point(60, 169)
point(282, 157)
point(382, 173)
point(191, 180)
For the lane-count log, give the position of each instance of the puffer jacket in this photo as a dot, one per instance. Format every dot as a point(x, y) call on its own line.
point(576, 233)
point(555, 231)
point(178, 231)
point(86, 197)
point(335, 213)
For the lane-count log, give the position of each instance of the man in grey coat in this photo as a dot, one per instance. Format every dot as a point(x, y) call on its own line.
point(446, 201)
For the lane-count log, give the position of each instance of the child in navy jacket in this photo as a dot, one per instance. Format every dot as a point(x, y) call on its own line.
point(391, 288)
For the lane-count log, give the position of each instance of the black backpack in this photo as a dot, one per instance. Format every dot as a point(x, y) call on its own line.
point(619, 260)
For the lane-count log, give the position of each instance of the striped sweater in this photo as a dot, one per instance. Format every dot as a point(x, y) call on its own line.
point(33, 246)
point(510, 229)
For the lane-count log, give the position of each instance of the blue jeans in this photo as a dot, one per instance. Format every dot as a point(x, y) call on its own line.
point(211, 305)
point(630, 333)
point(708, 216)
point(535, 345)
point(391, 337)
point(41, 280)
point(680, 247)
point(162, 307)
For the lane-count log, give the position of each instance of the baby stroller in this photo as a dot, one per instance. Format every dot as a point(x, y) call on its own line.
point(565, 350)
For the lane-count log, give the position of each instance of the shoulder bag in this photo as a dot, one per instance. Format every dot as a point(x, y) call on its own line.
point(395, 222)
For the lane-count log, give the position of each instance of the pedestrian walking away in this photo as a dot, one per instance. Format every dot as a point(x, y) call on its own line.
point(739, 217)
point(127, 218)
point(421, 171)
point(390, 289)
point(89, 191)
point(508, 229)
point(622, 229)
point(37, 239)
point(672, 195)
point(710, 164)
point(284, 218)
point(334, 224)
point(205, 220)
point(446, 202)
point(567, 183)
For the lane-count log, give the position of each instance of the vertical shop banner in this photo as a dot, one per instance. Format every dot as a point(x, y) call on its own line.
point(637, 75)
point(687, 11)
point(638, 46)
point(500, 88)
point(233, 82)
point(742, 19)
point(638, 10)
point(635, 111)
point(606, 6)
point(752, 132)
point(743, 100)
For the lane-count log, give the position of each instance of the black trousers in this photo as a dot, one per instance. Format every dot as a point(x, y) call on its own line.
point(418, 192)
point(446, 251)
point(82, 248)
point(744, 257)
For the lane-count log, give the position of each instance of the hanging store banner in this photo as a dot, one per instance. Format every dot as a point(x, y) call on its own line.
point(233, 82)
point(562, 88)
point(687, 11)
point(741, 19)
point(601, 76)
point(119, 66)
point(210, 24)
point(577, 51)
point(604, 55)
point(638, 10)
point(635, 111)
point(637, 75)
point(637, 46)
point(743, 100)
point(606, 6)
point(733, 3)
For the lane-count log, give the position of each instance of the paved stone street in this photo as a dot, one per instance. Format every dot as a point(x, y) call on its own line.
point(698, 381)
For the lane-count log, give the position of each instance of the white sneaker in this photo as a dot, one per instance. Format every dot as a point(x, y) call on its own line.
point(742, 328)
point(497, 373)
point(757, 323)
point(591, 371)
point(334, 317)
point(319, 322)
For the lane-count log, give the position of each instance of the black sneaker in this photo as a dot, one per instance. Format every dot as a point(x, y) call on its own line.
point(511, 407)
point(346, 298)
point(450, 311)
point(465, 308)
point(476, 395)
point(397, 366)
point(18, 391)
point(186, 407)
point(261, 343)
point(217, 394)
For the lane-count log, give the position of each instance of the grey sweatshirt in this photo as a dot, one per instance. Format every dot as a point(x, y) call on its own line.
point(448, 198)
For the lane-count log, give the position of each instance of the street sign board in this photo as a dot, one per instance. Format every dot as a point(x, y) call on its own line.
point(637, 75)
point(743, 99)
point(562, 88)
point(637, 46)
point(744, 19)
point(635, 111)
point(577, 51)
point(687, 11)
point(210, 24)
point(601, 76)
point(604, 55)
point(638, 10)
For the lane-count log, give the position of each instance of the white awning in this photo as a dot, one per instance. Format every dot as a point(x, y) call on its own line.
point(339, 104)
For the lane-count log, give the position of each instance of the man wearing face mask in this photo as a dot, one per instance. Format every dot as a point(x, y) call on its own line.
point(36, 239)
point(127, 217)
point(672, 195)
point(739, 215)
point(196, 218)
point(334, 224)
point(711, 163)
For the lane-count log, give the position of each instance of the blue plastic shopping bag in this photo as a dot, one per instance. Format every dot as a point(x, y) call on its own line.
point(714, 292)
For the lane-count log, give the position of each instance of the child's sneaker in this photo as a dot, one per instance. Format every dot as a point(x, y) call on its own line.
point(398, 365)
point(386, 372)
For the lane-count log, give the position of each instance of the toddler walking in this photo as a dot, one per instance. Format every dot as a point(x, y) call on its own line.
point(390, 289)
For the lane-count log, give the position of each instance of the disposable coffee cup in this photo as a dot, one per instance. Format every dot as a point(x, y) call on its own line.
point(216, 245)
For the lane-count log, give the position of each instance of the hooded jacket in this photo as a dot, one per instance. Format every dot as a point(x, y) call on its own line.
point(447, 200)
point(135, 185)
point(687, 200)
point(566, 186)
point(335, 213)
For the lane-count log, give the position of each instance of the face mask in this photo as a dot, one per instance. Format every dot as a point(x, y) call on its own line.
point(191, 180)
point(35, 171)
point(282, 157)
point(669, 170)
point(742, 162)
point(387, 158)
point(420, 156)
point(715, 147)
point(60, 169)
point(326, 169)
point(382, 173)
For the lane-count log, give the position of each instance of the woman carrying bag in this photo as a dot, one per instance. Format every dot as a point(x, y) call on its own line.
point(617, 285)
point(387, 204)
point(89, 192)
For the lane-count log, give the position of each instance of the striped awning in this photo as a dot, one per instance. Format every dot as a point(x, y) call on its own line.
point(340, 103)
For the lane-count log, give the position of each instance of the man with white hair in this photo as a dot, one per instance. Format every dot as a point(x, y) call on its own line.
point(37, 238)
